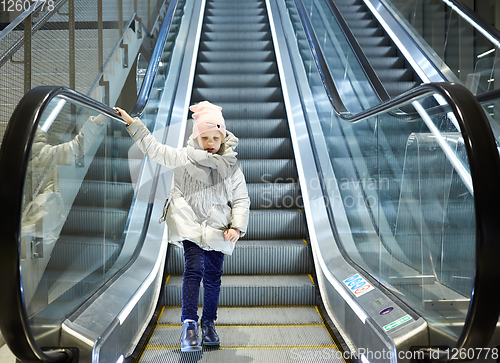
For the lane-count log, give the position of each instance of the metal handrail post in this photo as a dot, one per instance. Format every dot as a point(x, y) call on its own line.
point(27, 52)
point(72, 51)
point(100, 38)
point(149, 16)
point(120, 18)
point(139, 20)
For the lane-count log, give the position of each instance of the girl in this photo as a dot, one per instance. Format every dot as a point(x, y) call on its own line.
point(208, 210)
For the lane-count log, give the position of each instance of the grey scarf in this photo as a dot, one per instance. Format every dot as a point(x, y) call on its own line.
point(206, 178)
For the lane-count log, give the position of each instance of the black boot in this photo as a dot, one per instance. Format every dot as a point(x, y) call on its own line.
point(208, 333)
point(189, 338)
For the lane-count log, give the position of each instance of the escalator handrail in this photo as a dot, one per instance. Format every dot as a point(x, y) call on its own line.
point(484, 161)
point(476, 21)
point(147, 84)
point(14, 160)
point(366, 66)
point(358, 52)
point(324, 70)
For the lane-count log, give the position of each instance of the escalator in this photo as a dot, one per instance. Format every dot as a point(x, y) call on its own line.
point(81, 210)
point(268, 297)
point(346, 221)
point(414, 230)
point(395, 73)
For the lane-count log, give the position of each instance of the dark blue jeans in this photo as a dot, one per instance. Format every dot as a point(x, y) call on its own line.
point(200, 264)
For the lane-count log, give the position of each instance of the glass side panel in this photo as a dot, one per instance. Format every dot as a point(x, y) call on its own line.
point(426, 220)
point(79, 224)
point(492, 109)
point(75, 208)
point(452, 42)
point(402, 185)
point(351, 81)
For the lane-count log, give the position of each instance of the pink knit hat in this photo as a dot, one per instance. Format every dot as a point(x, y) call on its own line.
point(207, 117)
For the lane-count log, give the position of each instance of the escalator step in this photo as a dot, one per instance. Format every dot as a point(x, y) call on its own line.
point(116, 147)
point(275, 196)
point(113, 169)
point(349, 7)
point(258, 128)
point(98, 193)
point(269, 171)
point(245, 80)
point(236, 67)
point(276, 224)
point(247, 27)
point(256, 94)
point(81, 253)
point(373, 41)
point(265, 148)
point(253, 290)
point(387, 62)
point(253, 110)
point(352, 16)
point(217, 45)
point(236, 11)
point(242, 5)
point(214, 19)
point(382, 51)
point(397, 88)
point(395, 75)
point(256, 257)
point(239, 35)
point(363, 24)
point(258, 343)
point(92, 221)
point(263, 315)
point(247, 56)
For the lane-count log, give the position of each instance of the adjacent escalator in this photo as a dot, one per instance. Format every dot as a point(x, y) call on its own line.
point(402, 176)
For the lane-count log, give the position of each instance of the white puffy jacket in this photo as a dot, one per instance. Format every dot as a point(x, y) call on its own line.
point(209, 193)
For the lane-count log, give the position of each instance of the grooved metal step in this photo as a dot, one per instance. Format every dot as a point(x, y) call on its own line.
point(241, 80)
point(275, 196)
point(253, 290)
point(258, 128)
point(269, 171)
point(257, 257)
point(258, 94)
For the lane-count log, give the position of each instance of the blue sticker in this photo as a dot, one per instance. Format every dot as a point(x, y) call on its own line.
point(358, 285)
point(386, 311)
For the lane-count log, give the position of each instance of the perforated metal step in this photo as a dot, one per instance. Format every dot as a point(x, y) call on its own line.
point(265, 334)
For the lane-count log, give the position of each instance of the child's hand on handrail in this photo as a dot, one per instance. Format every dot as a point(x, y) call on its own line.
point(125, 116)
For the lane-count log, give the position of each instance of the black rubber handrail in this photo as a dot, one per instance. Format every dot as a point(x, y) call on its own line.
point(484, 162)
point(366, 66)
point(153, 65)
point(489, 96)
point(14, 160)
point(477, 19)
